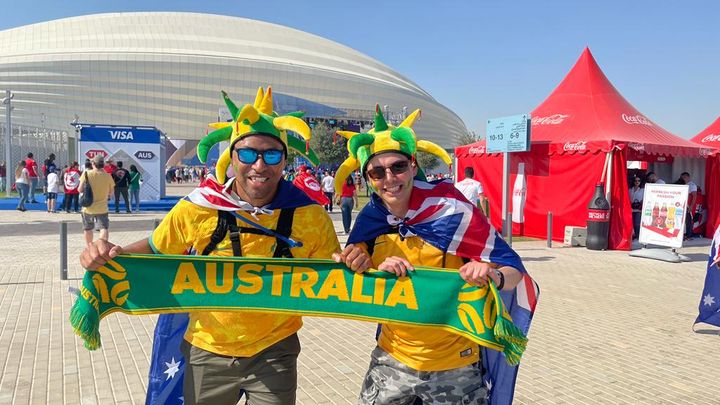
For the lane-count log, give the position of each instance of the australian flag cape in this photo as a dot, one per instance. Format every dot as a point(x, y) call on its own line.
point(167, 364)
point(709, 308)
point(443, 217)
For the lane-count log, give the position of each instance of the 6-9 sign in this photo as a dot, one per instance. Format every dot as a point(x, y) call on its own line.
point(508, 134)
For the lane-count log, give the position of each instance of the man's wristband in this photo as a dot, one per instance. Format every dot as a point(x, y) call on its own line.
point(502, 279)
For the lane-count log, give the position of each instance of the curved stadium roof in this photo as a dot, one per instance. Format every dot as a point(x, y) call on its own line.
point(166, 69)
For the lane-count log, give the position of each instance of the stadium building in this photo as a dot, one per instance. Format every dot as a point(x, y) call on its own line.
point(166, 70)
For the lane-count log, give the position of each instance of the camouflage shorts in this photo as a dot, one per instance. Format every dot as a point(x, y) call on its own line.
point(390, 382)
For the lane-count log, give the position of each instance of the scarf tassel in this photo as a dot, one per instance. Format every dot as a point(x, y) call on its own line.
point(510, 336)
point(86, 323)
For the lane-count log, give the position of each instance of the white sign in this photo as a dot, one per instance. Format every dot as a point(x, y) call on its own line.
point(663, 215)
point(508, 134)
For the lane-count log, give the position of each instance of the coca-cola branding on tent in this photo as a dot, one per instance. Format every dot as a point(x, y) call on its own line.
point(572, 134)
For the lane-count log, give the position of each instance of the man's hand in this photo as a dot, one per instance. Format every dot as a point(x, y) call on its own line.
point(98, 253)
point(354, 257)
point(397, 265)
point(477, 273)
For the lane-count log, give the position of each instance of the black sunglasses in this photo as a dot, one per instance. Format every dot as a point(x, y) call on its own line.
point(378, 172)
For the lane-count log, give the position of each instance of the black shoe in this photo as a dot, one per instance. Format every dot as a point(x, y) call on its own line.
point(117, 211)
point(34, 202)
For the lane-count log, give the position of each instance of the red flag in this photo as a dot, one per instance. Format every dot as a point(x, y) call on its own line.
point(307, 183)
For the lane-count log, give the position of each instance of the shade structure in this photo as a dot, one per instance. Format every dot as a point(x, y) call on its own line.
point(583, 133)
point(710, 138)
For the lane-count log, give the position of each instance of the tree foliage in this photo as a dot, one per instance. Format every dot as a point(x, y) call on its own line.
point(329, 152)
point(427, 161)
point(467, 138)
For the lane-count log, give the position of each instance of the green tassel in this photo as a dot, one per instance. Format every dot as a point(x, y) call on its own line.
point(85, 322)
point(512, 339)
point(506, 333)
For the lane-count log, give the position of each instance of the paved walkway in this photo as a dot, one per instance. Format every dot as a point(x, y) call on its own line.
point(609, 329)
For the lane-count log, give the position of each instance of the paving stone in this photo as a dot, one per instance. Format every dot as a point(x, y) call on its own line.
point(609, 329)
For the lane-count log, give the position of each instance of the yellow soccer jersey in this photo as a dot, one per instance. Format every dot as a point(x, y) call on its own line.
point(242, 334)
point(422, 348)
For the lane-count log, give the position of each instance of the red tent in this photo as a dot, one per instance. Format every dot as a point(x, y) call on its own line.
point(710, 137)
point(583, 133)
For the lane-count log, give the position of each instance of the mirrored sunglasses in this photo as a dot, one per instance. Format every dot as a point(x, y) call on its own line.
point(249, 156)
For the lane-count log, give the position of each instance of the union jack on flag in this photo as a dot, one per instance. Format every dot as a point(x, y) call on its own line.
point(443, 217)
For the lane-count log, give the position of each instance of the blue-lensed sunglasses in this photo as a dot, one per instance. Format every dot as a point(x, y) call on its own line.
point(249, 156)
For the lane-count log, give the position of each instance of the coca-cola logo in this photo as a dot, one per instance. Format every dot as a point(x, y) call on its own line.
point(711, 138)
point(598, 216)
point(312, 184)
point(636, 120)
point(637, 146)
point(705, 152)
point(477, 149)
point(661, 158)
point(579, 145)
point(550, 119)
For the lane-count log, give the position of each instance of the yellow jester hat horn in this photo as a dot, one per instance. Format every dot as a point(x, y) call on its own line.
point(384, 137)
point(256, 119)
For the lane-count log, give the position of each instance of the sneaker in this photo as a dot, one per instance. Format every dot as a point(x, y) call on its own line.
point(34, 202)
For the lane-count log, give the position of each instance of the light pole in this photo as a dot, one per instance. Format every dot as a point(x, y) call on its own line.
point(8, 134)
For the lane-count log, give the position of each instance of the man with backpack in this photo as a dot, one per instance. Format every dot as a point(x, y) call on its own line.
point(255, 213)
point(122, 183)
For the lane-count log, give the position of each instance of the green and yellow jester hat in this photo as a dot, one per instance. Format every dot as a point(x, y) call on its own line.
point(384, 137)
point(256, 119)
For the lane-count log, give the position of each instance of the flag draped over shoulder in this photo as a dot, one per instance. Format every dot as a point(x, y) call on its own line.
point(709, 308)
point(443, 217)
point(167, 365)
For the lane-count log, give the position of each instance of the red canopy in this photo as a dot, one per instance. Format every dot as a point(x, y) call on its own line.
point(581, 120)
point(586, 113)
point(710, 136)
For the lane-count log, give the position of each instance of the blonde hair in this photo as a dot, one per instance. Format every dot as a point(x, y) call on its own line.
point(19, 168)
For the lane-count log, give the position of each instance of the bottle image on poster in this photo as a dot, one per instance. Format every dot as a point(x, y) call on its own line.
point(519, 195)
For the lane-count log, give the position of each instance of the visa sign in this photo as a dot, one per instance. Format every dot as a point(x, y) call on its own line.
point(121, 135)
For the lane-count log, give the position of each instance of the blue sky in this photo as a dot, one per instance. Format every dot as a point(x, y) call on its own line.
point(488, 59)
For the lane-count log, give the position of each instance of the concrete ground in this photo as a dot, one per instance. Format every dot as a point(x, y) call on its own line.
point(609, 328)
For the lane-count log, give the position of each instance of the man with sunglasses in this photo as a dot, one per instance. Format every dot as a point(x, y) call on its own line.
point(227, 353)
point(408, 223)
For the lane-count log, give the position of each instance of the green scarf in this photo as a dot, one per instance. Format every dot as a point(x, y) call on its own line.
point(431, 297)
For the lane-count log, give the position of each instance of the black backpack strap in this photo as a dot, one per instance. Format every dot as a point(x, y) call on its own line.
point(284, 228)
point(226, 222)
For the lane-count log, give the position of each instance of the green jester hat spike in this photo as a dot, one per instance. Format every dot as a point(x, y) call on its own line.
point(254, 119)
point(384, 137)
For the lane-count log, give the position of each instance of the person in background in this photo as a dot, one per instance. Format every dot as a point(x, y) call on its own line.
point(135, 181)
point(347, 200)
point(102, 188)
point(692, 200)
point(110, 167)
point(22, 183)
point(32, 169)
point(3, 177)
point(71, 179)
point(122, 183)
point(53, 188)
point(636, 203)
point(472, 189)
point(651, 177)
point(328, 188)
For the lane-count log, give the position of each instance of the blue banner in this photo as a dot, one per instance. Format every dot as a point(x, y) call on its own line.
point(119, 134)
